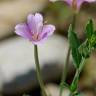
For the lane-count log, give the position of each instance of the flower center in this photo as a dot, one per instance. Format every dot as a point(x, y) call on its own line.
point(35, 37)
point(74, 4)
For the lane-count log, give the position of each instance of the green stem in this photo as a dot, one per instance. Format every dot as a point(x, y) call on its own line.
point(64, 74)
point(65, 71)
point(39, 77)
point(74, 21)
point(77, 74)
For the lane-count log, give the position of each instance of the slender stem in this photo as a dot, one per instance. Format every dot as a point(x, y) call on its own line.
point(74, 21)
point(65, 71)
point(78, 71)
point(64, 74)
point(38, 70)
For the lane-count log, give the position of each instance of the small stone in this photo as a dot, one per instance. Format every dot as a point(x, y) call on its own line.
point(53, 90)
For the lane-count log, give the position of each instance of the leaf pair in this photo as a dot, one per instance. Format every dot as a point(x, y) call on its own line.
point(74, 45)
point(83, 50)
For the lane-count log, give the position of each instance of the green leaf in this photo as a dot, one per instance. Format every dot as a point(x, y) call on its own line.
point(74, 44)
point(89, 29)
point(92, 40)
point(89, 45)
point(85, 49)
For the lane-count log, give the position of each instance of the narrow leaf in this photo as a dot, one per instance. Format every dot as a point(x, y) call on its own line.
point(74, 44)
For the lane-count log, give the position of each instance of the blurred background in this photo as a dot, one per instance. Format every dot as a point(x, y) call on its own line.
point(17, 67)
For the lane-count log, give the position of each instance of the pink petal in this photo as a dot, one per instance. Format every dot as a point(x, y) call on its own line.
point(31, 23)
point(35, 22)
point(22, 30)
point(38, 18)
point(47, 30)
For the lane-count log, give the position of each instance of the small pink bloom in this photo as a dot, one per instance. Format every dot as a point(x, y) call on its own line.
point(77, 3)
point(74, 3)
point(34, 30)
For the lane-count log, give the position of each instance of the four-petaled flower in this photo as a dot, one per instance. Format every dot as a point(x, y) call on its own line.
point(34, 30)
point(75, 3)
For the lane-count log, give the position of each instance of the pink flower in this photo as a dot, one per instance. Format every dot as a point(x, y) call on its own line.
point(34, 30)
point(74, 3)
point(77, 3)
